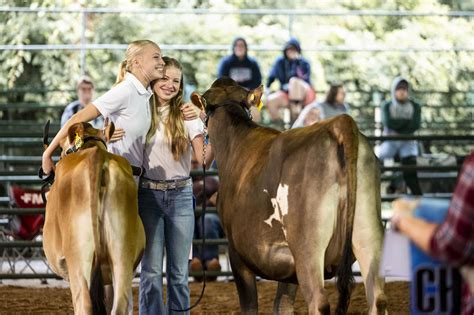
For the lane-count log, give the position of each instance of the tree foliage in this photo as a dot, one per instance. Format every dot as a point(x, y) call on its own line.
point(444, 71)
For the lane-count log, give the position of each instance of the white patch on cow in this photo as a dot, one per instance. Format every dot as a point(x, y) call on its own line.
point(280, 206)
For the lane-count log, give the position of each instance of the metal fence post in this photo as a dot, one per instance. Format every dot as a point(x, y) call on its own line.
point(83, 42)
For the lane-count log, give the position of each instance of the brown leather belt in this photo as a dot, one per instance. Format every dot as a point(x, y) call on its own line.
point(165, 184)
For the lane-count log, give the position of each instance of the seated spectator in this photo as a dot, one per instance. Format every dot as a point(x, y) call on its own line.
point(332, 106)
point(401, 116)
point(309, 115)
point(294, 73)
point(452, 241)
point(212, 228)
point(85, 91)
point(241, 68)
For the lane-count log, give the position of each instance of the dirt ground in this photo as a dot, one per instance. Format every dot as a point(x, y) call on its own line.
point(219, 298)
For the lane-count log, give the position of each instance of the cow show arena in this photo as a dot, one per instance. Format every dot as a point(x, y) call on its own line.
point(364, 52)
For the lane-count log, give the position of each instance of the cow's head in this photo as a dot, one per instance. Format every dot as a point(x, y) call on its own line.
point(226, 92)
point(80, 134)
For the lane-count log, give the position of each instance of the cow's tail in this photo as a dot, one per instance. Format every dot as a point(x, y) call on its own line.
point(96, 292)
point(98, 171)
point(348, 139)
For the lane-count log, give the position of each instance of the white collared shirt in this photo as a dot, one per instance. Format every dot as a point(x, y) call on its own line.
point(127, 106)
point(158, 162)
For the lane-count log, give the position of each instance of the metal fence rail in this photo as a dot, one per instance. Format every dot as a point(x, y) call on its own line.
point(23, 176)
point(307, 12)
point(16, 276)
point(19, 140)
point(33, 179)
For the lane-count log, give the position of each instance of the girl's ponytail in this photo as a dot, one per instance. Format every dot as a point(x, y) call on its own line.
point(134, 49)
point(121, 72)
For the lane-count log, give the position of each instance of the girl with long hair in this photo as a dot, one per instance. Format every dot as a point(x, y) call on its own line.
point(165, 198)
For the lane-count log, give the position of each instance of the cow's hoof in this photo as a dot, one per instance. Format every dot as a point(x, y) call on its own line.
point(324, 309)
point(381, 304)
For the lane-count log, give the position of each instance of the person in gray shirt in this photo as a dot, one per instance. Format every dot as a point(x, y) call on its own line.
point(332, 106)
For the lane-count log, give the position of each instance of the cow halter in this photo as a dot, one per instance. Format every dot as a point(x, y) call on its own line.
point(210, 109)
point(79, 142)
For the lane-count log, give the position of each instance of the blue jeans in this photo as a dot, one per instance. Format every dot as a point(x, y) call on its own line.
point(168, 219)
point(213, 230)
point(405, 148)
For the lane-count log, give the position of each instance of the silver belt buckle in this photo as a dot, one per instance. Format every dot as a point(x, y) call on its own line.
point(165, 186)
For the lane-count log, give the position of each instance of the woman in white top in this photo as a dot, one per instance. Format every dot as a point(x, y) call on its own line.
point(165, 198)
point(126, 104)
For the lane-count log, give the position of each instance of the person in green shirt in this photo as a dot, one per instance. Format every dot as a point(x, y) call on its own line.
point(401, 115)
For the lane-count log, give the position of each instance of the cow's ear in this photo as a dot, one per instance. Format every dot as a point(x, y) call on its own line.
point(254, 97)
point(76, 133)
point(198, 100)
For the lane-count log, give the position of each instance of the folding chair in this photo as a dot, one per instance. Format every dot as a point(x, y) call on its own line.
point(28, 259)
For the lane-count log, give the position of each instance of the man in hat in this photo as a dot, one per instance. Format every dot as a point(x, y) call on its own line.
point(85, 90)
point(294, 73)
point(401, 116)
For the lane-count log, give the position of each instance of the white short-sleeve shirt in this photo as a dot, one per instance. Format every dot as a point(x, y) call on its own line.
point(158, 161)
point(127, 106)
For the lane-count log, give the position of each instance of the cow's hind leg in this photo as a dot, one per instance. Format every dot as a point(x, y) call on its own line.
point(367, 236)
point(310, 248)
point(367, 249)
point(245, 282)
point(285, 298)
point(311, 281)
point(79, 285)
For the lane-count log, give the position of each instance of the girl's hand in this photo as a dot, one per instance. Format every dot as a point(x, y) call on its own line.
point(190, 112)
point(119, 133)
point(47, 164)
point(401, 208)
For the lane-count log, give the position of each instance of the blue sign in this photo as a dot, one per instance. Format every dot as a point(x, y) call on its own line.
point(435, 288)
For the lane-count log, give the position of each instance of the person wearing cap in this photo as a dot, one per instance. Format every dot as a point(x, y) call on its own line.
point(293, 72)
point(401, 115)
point(240, 67)
point(333, 105)
point(85, 91)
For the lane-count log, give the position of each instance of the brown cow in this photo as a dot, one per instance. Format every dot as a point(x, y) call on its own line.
point(93, 235)
point(295, 205)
